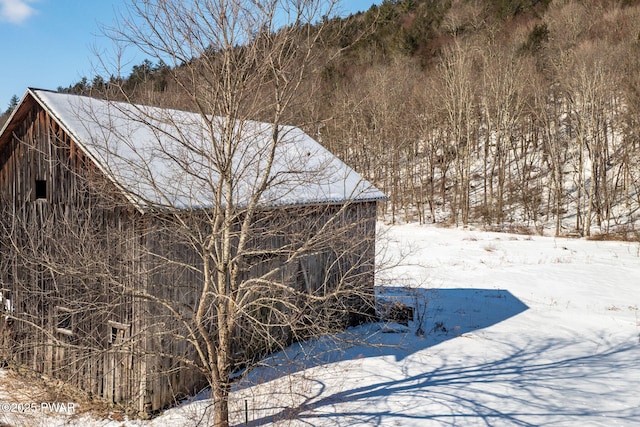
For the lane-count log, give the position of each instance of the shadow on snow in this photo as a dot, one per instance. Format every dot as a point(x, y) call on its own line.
point(442, 314)
point(445, 314)
point(450, 395)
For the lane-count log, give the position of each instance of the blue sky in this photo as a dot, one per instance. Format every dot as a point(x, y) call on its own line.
point(51, 43)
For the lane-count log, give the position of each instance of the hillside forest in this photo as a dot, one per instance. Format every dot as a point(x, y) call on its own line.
point(505, 113)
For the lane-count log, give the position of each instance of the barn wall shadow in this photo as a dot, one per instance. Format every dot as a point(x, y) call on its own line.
point(453, 312)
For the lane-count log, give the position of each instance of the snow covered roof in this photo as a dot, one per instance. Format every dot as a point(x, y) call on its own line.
point(171, 158)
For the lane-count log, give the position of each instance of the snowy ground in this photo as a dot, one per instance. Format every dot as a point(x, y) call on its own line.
point(519, 331)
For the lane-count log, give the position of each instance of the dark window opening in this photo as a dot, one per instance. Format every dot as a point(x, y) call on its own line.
point(115, 335)
point(64, 320)
point(119, 332)
point(41, 189)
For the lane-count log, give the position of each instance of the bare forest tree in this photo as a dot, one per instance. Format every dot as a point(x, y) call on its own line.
point(458, 100)
point(528, 121)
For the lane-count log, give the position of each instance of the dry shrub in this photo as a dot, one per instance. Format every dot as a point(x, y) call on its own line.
point(617, 236)
point(511, 228)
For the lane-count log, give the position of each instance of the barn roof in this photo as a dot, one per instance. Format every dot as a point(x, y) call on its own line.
point(164, 157)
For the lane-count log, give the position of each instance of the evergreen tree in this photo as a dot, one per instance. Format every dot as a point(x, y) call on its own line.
point(13, 103)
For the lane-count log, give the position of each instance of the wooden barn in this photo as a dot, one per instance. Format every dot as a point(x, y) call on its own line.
point(104, 214)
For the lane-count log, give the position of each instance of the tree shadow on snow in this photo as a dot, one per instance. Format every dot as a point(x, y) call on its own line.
point(520, 388)
point(449, 314)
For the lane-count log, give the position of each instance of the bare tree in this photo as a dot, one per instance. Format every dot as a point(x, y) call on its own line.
point(588, 85)
point(503, 102)
point(239, 61)
point(231, 237)
point(457, 97)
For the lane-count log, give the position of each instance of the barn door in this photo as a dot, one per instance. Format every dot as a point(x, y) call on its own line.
point(118, 363)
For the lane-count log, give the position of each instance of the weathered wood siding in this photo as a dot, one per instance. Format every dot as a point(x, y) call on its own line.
point(343, 256)
point(66, 256)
